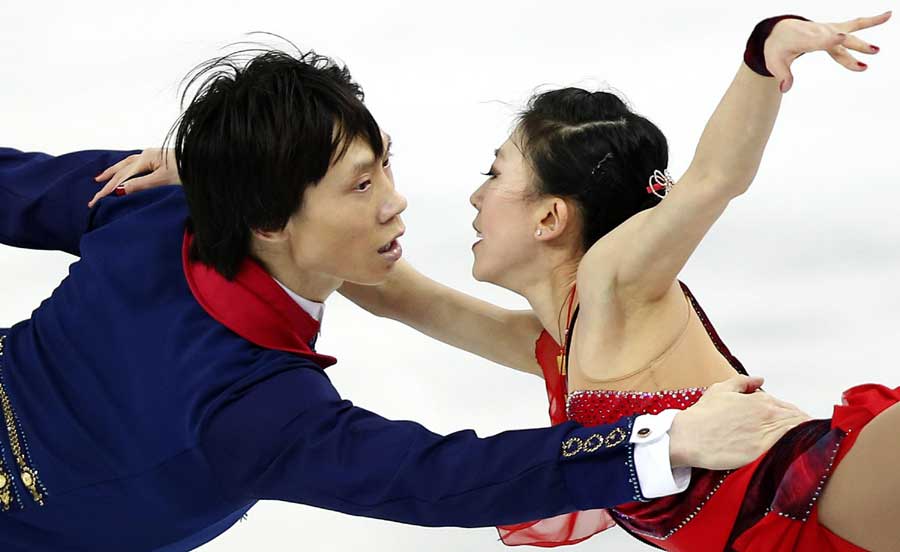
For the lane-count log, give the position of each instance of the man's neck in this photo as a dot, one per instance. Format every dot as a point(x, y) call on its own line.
point(313, 308)
point(308, 284)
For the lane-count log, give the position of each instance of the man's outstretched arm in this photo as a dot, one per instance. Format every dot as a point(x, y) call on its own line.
point(293, 438)
point(43, 199)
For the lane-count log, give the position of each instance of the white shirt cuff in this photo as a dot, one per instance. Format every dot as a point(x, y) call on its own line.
point(650, 437)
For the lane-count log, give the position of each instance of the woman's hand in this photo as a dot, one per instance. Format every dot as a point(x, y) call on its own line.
point(158, 162)
point(792, 38)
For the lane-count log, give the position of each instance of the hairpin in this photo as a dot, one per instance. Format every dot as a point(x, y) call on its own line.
point(660, 180)
point(600, 164)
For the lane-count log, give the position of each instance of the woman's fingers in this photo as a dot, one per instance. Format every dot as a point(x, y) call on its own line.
point(861, 23)
point(104, 191)
point(122, 175)
point(156, 178)
point(110, 171)
point(857, 44)
point(842, 56)
point(781, 70)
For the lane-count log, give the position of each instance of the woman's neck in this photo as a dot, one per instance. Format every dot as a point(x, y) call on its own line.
point(550, 298)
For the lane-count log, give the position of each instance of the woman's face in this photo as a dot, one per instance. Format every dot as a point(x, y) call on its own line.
point(506, 222)
point(349, 222)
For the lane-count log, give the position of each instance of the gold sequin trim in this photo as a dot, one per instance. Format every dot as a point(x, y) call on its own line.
point(572, 446)
point(615, 437)
point(590, 447)
point(27, 474)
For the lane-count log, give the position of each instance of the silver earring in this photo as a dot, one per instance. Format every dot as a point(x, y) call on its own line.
point(539, 233)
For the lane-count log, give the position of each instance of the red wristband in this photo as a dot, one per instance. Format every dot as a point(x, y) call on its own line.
point(754, 55)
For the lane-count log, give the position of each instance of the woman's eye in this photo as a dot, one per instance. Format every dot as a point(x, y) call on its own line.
point(363, 186)
point(387, 160)
point(490, 173)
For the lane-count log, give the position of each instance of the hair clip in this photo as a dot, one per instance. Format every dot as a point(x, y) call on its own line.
point(600, 164)
point(660, 180)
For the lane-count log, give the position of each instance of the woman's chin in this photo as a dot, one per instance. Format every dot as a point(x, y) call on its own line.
point(477, 272)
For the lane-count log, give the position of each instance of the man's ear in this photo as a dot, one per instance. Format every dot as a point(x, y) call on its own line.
point(271, 236)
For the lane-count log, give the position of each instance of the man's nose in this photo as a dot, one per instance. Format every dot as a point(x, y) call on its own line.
point(393, 207)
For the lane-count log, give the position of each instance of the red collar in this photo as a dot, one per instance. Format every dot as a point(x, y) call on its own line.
point(253, 306)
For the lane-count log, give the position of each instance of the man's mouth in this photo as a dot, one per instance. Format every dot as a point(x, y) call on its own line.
point(392, 250)
point(387, 247)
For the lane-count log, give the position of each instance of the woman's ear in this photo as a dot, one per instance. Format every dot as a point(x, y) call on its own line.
point(554, 217)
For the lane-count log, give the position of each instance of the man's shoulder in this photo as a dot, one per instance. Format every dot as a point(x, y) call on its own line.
point(156, 202)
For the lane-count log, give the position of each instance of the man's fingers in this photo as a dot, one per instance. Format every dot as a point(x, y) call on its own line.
point(737, 384)
point(784, 404)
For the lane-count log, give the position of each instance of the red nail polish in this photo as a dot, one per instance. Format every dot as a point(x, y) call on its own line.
point(861, 64)
point(120, 190)
point(875, 49)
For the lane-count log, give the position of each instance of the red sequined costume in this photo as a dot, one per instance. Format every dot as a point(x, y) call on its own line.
point(769, 505)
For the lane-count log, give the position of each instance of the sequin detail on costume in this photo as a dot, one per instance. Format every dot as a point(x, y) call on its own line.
point(598, 407)
point(663, 517)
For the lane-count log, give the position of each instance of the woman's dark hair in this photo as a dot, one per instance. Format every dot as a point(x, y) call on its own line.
point(591, 148)
point(256, 134)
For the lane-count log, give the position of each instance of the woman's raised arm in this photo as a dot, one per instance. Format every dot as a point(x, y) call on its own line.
point(651, 248)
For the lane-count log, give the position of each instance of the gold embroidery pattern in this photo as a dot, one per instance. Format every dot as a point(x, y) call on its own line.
point(5, 488)
point(590, 447)
point(615, 437)
point(27, 474)
point(575, 445)
point(572, 446)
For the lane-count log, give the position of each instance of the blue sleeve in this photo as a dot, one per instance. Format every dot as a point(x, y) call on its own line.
point(43, 199)
point(292, 438)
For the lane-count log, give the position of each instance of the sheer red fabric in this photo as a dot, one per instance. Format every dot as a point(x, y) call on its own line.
point(566, 528)
point(769, 505)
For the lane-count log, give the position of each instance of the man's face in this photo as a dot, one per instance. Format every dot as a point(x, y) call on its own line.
point(349, 222)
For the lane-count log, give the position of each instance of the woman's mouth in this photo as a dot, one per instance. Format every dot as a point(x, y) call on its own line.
point(480, 237)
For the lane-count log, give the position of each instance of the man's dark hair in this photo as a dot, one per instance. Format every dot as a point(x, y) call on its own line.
point(256, 134)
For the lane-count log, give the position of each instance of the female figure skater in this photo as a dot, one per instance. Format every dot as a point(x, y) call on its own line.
point(571, 218)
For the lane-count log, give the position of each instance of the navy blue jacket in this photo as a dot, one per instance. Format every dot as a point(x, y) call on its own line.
point(154, 427)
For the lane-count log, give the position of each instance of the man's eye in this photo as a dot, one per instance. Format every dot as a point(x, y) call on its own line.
point(363, 186)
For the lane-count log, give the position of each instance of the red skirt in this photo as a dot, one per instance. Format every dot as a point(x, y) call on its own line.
point(771, 504)
point(767, 506)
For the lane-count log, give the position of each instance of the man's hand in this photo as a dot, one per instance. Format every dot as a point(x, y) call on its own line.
point(730, 426)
